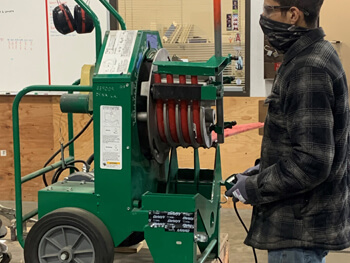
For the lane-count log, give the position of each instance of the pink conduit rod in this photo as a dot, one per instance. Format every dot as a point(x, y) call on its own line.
point(239, 129)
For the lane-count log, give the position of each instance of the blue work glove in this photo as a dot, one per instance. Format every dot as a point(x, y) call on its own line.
point(252, 170)
point(238, 191)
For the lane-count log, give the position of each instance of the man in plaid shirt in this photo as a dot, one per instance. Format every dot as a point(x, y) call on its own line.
point(301, 192)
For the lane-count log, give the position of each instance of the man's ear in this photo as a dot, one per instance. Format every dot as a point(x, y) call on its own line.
point(296, 16)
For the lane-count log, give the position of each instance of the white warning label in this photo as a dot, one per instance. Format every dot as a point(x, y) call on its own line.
point(117, 54)
point(111, 137)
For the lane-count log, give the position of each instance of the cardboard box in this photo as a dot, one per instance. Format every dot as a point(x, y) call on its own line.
point(270, 69)
point(272, 60)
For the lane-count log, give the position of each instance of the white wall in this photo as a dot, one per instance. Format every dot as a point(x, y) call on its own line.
point(258, 86)
point(33, 52)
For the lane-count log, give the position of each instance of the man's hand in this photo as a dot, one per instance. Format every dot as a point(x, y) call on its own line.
point(252, 170)
point(238, 190)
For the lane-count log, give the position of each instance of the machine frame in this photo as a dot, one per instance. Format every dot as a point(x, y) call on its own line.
point(133, 198)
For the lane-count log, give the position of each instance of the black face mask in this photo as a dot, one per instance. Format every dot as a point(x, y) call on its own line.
point(280, 35)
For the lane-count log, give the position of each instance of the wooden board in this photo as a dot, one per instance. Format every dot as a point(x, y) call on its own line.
point(84, 145)
point(132, 249)
point(36, 131)
point(145, 256)
point(334, 15)
point(42, 124)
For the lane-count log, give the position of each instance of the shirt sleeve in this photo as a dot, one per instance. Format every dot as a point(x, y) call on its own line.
point(307, 107)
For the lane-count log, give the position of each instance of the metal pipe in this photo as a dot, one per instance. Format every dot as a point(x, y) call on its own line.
point(35, 174)
point(114, 13)
point(30, 215)
point(75, 103)
point(71, 128)
point(97, 25)
point(218, 77)
point(17, 146)
point(217, 28)
point(207, 251)
point(77, 82)
point(70, 134)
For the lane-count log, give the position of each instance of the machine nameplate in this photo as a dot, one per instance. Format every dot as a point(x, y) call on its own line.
point(173, 221)
point(117, 55)
point(111, 137)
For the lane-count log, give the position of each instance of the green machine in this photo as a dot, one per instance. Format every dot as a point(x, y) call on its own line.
point(144, 107)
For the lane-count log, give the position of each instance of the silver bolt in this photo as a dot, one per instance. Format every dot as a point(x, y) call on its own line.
point(200, 238)
point(128, 208)
point(127, 147)
point(64, 256)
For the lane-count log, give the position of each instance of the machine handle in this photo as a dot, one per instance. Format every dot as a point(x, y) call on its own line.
point(17, 148)
point(227, 125)
point(114, 13)
point(97, 25)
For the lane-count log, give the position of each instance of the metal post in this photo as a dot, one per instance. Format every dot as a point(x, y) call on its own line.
point(49, 168)
point(114, 13)
point(71, 128)
point(218, 77)
point(207, 251)
point(98, 33)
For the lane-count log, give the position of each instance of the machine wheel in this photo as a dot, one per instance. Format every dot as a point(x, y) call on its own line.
point(5, 257)
point(69, 235)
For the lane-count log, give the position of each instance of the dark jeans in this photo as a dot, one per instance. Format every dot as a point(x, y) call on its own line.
point(297, 255)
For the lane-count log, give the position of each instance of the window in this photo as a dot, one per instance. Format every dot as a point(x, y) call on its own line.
point(187, 31)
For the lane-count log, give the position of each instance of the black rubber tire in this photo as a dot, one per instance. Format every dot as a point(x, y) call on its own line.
point(5, 258)
point(85, 221)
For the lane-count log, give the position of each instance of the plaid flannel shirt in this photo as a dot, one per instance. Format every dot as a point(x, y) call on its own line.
point(301, 196)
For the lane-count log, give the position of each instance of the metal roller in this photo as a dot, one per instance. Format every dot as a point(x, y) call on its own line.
point(171, 113)
point(160, 120)
point(204, 128)
point(192, 127)
point(179, 122)
point(172, 121)
point(166, 124)
point(179, 125)
point(196, 114)
point(158, 145)
point(197, 120)
point(183, 115)
point(184, 122)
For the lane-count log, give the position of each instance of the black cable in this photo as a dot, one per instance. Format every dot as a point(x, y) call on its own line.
point(65, 146)
point(68, 165)
point(59, 171)
point(239, 217)
point(245, 228)
point(91, 159)
point(219, 259)
point(83, 162)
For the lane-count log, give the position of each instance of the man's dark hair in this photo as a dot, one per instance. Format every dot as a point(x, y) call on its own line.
point(312, 7)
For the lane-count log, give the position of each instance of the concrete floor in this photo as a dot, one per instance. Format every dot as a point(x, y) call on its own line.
point(229, 224)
